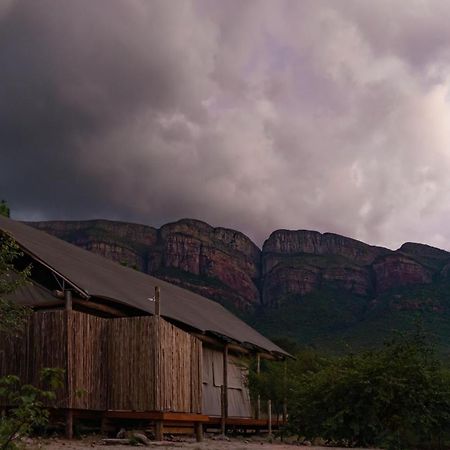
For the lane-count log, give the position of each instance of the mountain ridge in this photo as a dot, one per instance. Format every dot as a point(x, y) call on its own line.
point(298, 277)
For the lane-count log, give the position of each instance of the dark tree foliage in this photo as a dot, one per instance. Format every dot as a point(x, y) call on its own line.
point(396, 397)
point(12, 315)
point(4, 209)
point(277, 381)
point(27, 406)
point(27, 403)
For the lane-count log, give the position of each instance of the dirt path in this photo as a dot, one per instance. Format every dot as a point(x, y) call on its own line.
point(234, 444)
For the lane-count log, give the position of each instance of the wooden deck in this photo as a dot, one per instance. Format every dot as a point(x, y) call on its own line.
point(243, 423)
point(161, 422)
point(166, 422)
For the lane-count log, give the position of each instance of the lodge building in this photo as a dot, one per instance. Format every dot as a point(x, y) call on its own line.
point(135, 346)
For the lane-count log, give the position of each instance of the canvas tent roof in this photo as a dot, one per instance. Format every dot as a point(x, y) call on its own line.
point(96, 276)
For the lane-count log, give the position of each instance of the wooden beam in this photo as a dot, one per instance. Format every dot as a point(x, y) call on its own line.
point(215, 342)
point(87, 304)
point(240, 421)
point(99, 307)
point(56, 304)
point(156, 415)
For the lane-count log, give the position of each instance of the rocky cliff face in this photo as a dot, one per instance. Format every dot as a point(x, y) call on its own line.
point(326, 260)
point(219, 263)
point(285, 242)
point(227, 266)
point(397, 270)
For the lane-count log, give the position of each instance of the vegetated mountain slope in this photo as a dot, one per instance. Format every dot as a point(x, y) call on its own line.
point(324, 290)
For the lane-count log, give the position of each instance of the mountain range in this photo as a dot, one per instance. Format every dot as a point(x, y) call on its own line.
point(321, 290)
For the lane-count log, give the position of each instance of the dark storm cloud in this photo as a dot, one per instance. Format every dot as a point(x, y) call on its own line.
point(255, 115)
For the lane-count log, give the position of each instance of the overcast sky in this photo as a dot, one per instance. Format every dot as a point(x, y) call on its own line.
point(255, 115)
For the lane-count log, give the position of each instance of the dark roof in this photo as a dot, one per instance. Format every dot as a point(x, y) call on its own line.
point(33, 294)
point(96, 276)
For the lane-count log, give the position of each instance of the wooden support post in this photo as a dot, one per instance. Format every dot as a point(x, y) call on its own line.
point(68, 299)
point(199, 431)
point(157, 302)
point(223, 419)
point(69, 412)
point(69, 424)
point(269, 416)
point(224, 390)
point(285, 392)
point(225, 379)
point(104, 425)
point(258, 399)
point(159, 430)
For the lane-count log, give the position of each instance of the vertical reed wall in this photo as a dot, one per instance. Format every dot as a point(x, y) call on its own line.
point(138, 363)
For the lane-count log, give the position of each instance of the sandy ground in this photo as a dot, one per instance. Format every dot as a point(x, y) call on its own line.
point(208, 444)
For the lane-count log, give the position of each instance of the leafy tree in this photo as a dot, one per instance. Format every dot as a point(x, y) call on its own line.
point(277, 381)
point(397, 397)
point(4, 209)
point(12, 315)
point(26, 402)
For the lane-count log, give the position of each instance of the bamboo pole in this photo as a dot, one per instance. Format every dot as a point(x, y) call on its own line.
point(258, 399)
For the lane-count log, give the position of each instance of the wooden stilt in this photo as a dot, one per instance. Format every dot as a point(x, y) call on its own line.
point(104, 425)
point(199, 431)
point(69, 424)
point(159, 430)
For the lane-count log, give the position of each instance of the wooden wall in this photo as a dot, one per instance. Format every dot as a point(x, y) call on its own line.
point(47, 347)
point(13, 355)
point(162, 376)
point(86, 368)
point(179, 368)
point(138, 363)
point(131, 365)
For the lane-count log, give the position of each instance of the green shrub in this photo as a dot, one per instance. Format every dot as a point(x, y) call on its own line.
point(27, 406)
point(398, 396)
